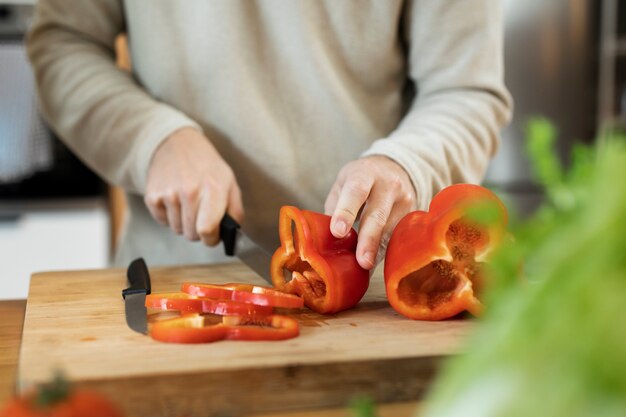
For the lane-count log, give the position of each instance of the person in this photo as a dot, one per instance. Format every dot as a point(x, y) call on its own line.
point(360, 109)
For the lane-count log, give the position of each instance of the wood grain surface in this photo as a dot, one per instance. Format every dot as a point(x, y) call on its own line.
point(12, 319)
point(75, 322)
point(12, 313)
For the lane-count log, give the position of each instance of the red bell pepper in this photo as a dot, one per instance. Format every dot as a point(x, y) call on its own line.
point(186, 303)
point(218, 291)
point(196, 328)
point(433, 264)
point(245, 293)
point(324, 270)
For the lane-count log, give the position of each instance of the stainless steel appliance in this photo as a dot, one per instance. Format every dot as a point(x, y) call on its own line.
point(551, 50)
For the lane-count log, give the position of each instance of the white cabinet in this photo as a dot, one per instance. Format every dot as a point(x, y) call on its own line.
point(51, 238)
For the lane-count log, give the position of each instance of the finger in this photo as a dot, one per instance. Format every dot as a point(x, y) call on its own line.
point(235, 204)
point(172, 207)
point(374, 222)
point(189, 213)
point(352, 196)
point(156, 208)
point(210, 212)
point(331, 200)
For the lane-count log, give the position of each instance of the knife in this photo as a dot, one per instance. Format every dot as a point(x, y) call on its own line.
point(237, 243)
point(135, 296)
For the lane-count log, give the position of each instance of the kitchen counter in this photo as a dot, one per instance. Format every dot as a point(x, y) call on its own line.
point(12, 313)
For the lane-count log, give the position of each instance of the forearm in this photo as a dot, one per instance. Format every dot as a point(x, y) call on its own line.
point(98, 110)
point(452, 128)
point(447, 138)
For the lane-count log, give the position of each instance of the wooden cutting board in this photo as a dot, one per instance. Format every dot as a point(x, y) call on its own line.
point(75, 323)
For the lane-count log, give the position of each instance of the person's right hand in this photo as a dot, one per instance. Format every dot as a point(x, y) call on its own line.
point(190, 187)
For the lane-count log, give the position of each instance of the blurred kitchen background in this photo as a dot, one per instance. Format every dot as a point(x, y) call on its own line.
point(565, 60)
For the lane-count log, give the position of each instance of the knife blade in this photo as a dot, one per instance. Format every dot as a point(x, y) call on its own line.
point(135, 296)
point(237, 243)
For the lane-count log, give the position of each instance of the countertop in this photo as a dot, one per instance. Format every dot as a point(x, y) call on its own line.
point(12, 312)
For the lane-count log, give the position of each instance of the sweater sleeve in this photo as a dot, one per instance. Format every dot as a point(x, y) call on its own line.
point(449, 134)
point(99, 111)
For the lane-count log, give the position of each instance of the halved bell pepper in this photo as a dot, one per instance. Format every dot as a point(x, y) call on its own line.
point(197, 328)
point(323, 269)
point(186, 303)
point(245, 293)
point(434, 260)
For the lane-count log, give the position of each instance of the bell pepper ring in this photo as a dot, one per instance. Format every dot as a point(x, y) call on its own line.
point(195, 328)
point(186, 303)
point(245, 293)
point(434, 260)
point(218, 291)
point(324, 270)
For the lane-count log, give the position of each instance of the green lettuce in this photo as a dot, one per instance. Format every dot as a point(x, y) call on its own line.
point(553, 340)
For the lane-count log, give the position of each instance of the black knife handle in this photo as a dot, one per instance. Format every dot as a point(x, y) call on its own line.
point(138, 278)
point(228, 234)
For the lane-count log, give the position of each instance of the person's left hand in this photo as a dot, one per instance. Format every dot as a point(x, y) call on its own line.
point(379, 192)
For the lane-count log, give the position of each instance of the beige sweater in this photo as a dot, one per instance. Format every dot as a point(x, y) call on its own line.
point(288, 91)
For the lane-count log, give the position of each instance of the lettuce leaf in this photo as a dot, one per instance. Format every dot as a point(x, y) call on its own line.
point(553, 340)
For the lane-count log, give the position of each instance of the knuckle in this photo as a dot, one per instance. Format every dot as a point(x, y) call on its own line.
point(409, 199)
point(189, 193)
point(170, 196)
point(209, 183)
point(378, 217)
point(357, 188)
point(347, 212)
point(152, 200)
point(211, 187)
point(395, 183)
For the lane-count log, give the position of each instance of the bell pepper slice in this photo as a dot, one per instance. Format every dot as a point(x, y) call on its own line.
point(189, 328)
point(323, 269)
point(174, 301)
point(434, 260)
point(197, 328)
point(218, 291)
point(186, 303)
point(245, 293)
point(273, 327)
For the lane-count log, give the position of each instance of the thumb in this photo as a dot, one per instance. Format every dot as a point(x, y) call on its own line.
point(235, 204)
